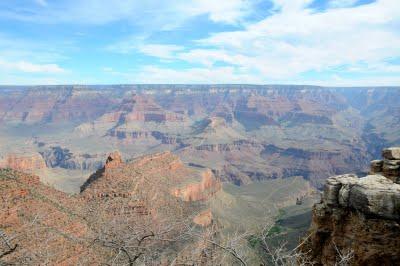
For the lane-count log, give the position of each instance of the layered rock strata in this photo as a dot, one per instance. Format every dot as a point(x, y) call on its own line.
point(389, 166)
point(24, 162)
point(359, 217)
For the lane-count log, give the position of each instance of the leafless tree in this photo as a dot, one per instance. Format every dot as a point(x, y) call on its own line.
point(344, 257)
point(7, 247)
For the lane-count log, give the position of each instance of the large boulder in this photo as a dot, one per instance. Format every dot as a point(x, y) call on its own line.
point(376, 195)
point(392, 153)
point(333, 185)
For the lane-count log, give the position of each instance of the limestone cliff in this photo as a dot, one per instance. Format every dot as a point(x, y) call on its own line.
point(359, 217)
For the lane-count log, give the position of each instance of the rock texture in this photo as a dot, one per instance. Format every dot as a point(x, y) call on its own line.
point(358, 216)
point(389, 166)
point(86, 229)
point(35, 218)
point(114, 160)
point(56, 156)
point(203, 190)
point(250, 132)
point(24, 162)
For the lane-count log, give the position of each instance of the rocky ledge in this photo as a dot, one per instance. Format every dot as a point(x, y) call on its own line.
point(358, 219)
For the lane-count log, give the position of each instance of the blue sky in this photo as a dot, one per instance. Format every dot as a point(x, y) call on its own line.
point(321, 42)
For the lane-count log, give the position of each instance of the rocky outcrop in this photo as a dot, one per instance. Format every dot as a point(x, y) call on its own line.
point(35, 217)
point(359, 217)
point(24, 162)
point(114, 160)
point(203, 190)
point(389, 166)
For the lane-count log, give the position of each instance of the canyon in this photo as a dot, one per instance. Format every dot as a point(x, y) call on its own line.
point(243, 133)
point(143, 173)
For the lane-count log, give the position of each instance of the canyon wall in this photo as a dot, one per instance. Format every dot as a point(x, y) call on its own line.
point(250, 132)
point(23, 162)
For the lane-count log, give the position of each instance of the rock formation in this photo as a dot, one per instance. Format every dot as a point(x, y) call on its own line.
point(389, 166)
point(317, 132)
point(56, 156)
point(114, 160)
point(359, 217)
point(202, 190)
point(24, 162)
point(35, 218)
point(120, 204)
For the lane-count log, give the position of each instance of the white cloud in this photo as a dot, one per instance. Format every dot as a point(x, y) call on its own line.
point(155, 74)
point(28, 67)
point(162, 51)
point(291, 41)
point(226, 11)
point(152, 14)
point(137, 44)
point(296, 40)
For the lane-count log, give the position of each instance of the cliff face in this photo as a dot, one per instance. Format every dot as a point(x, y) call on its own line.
point(254, 132)
point(202, 190)
point(359, 217)
point(28, 163)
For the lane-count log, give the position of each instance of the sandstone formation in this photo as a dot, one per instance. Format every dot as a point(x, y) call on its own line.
point(203, 190)
point(114, 160)
point(358, 217)
point(24, 162)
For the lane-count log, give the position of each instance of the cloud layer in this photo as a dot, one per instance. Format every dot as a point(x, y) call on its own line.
point(337, 42)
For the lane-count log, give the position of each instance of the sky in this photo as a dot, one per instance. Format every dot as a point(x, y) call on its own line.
point(317, 42)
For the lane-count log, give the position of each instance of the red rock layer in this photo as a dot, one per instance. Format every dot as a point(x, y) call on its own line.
point(26, 163)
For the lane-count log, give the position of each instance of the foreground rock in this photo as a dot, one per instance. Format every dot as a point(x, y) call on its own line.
point(130, 206)
point(358, 217)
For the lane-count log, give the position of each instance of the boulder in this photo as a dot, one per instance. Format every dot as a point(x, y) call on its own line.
point(392, 153)
point(391, 169)
point(333, 186)
point(376, 195)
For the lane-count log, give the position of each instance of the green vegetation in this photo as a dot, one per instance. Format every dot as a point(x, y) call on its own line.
point(7, 173)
